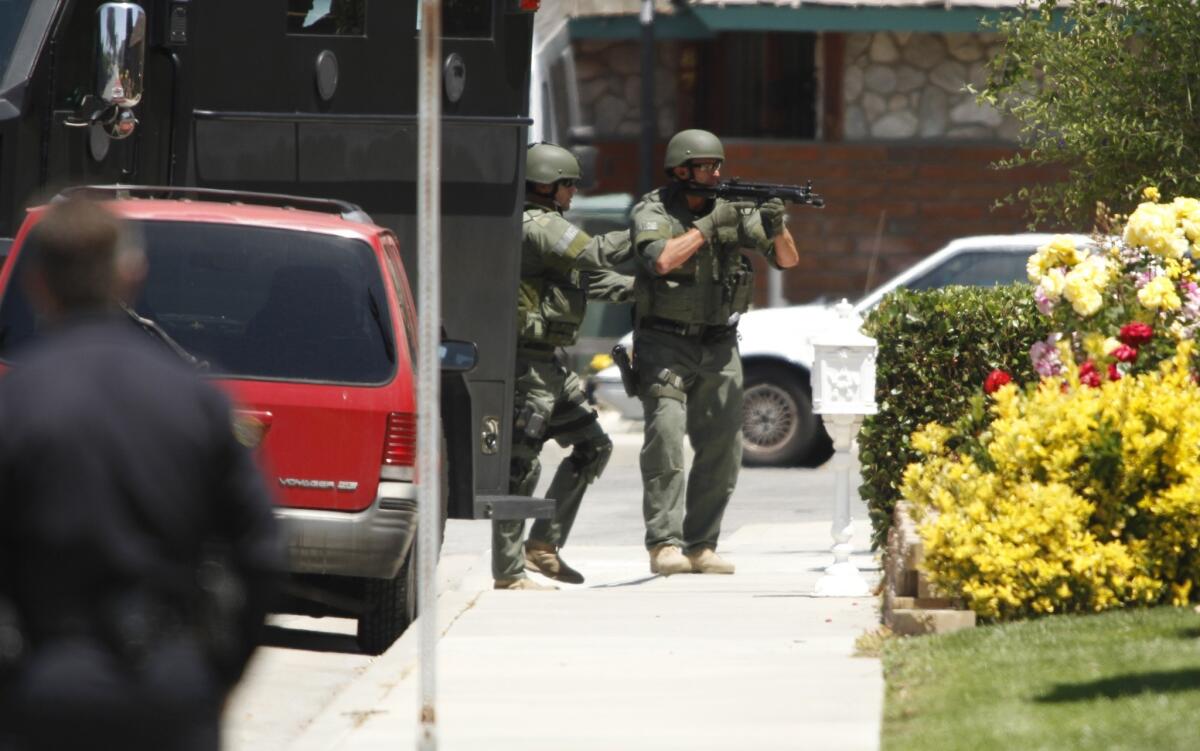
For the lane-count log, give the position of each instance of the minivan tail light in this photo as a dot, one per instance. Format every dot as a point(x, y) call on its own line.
point(400, 440)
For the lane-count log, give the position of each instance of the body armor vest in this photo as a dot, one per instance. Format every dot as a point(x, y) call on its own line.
point(710, 287)
point(552, 299)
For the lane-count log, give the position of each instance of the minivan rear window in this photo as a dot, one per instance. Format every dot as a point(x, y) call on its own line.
point(254, 302)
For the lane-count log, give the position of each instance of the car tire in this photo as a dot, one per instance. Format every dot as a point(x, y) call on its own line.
point(779, 428)
point(390, 605)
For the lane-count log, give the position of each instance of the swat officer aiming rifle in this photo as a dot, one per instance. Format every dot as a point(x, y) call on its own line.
point(692, 285)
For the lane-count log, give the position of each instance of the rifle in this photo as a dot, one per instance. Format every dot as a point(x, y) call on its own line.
point(760, 193)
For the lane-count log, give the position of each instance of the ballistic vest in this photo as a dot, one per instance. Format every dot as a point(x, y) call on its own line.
point(708, 288)
point(552, 298)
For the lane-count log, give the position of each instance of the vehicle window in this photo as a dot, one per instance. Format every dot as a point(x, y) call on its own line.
point(979, 269)
point(255, 302)
point(12, 20)
point(327, 17)
point(467, 19)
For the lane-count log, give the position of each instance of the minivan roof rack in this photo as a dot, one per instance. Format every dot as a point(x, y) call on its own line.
point(348, 211)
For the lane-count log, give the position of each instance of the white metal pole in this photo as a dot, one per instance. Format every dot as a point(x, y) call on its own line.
point(429, 285)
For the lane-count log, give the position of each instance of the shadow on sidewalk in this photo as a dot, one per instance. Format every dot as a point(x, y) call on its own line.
point(630, 583)
point(309, 641)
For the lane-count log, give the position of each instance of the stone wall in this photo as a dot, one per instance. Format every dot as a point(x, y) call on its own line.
point(905, 85)
point(610, 86)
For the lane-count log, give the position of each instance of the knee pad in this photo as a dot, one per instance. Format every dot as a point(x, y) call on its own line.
point(592, 457)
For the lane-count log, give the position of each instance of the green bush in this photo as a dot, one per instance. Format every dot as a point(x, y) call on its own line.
point(936, 348)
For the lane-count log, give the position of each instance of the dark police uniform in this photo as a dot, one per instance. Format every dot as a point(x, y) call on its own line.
point(137, 545)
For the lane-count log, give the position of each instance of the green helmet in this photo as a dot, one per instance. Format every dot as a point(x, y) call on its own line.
point(692, 144)
point(547, 163)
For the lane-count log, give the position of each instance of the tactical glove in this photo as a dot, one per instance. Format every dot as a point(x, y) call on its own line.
point(773, 216)
point(724, 214)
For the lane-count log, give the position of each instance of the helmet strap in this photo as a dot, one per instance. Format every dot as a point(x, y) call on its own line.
point(533, 195)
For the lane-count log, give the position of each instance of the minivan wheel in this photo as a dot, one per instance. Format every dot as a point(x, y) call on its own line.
point(390, 605)
point(779, 427)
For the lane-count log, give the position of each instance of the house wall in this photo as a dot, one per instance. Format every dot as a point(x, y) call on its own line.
point(610, 86)
point(888, 205)
point(905, 166)
point(904, 85)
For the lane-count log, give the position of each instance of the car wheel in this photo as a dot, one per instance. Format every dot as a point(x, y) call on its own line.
point(779, 427)
point(390, 605)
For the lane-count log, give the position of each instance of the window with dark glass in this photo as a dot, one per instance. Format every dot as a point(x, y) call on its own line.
point(467, 19)
point(12, 20)
point(981, 269)
point(327, 17)
point(753, 85)
point(254, 302)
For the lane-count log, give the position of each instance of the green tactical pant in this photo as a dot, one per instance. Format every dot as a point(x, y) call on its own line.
point(546, 388)
point(707, 408)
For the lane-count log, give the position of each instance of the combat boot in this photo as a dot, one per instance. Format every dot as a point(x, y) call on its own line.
point(667, 559)
point(523, 582)
point(544, 559)
point(706, 561)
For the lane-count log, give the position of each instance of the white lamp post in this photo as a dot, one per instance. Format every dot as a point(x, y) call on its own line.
point(843, 393)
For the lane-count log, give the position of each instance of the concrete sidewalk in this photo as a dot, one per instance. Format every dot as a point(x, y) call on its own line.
point(634, 661)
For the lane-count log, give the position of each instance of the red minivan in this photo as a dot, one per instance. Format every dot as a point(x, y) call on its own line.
point(301, 310)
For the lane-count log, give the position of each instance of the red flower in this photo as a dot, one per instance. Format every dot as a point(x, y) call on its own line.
point(995, 380)
point(1135, 334)
point(1125, 353)
point(1088, 375)
point(1113, 373)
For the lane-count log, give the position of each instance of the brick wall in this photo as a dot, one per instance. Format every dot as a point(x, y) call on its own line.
point(888, 205)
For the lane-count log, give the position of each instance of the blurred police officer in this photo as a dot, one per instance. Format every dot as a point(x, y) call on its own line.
point(561, 268)
point(138, 547)
point(692, 286)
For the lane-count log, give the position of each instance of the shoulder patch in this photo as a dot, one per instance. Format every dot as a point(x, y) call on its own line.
point(564, 241)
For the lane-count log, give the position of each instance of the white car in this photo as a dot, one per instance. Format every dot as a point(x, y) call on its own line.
point(777, 352)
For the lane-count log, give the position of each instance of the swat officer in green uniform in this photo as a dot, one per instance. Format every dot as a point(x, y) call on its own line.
point(561, 268)
point(692, 285)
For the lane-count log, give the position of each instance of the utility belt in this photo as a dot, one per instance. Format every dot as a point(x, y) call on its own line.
point(707, 334)
point(536, 351)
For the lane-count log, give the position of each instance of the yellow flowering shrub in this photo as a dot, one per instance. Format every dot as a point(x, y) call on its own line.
point(1065, 496)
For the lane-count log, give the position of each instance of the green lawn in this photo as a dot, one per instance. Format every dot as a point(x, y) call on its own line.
point(1122, 680)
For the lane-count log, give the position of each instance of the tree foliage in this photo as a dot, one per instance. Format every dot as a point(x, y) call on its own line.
point(1110, 91)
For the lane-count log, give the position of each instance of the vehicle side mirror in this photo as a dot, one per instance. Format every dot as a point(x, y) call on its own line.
point(457, 356)
point(120, 71)
point(120, 53)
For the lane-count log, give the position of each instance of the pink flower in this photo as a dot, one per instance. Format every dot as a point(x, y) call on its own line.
point(1125, 353)
point(1088, 375)
point(1045, 358)
point(1136, 334)
point(995, 380)
point(1044, 304)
